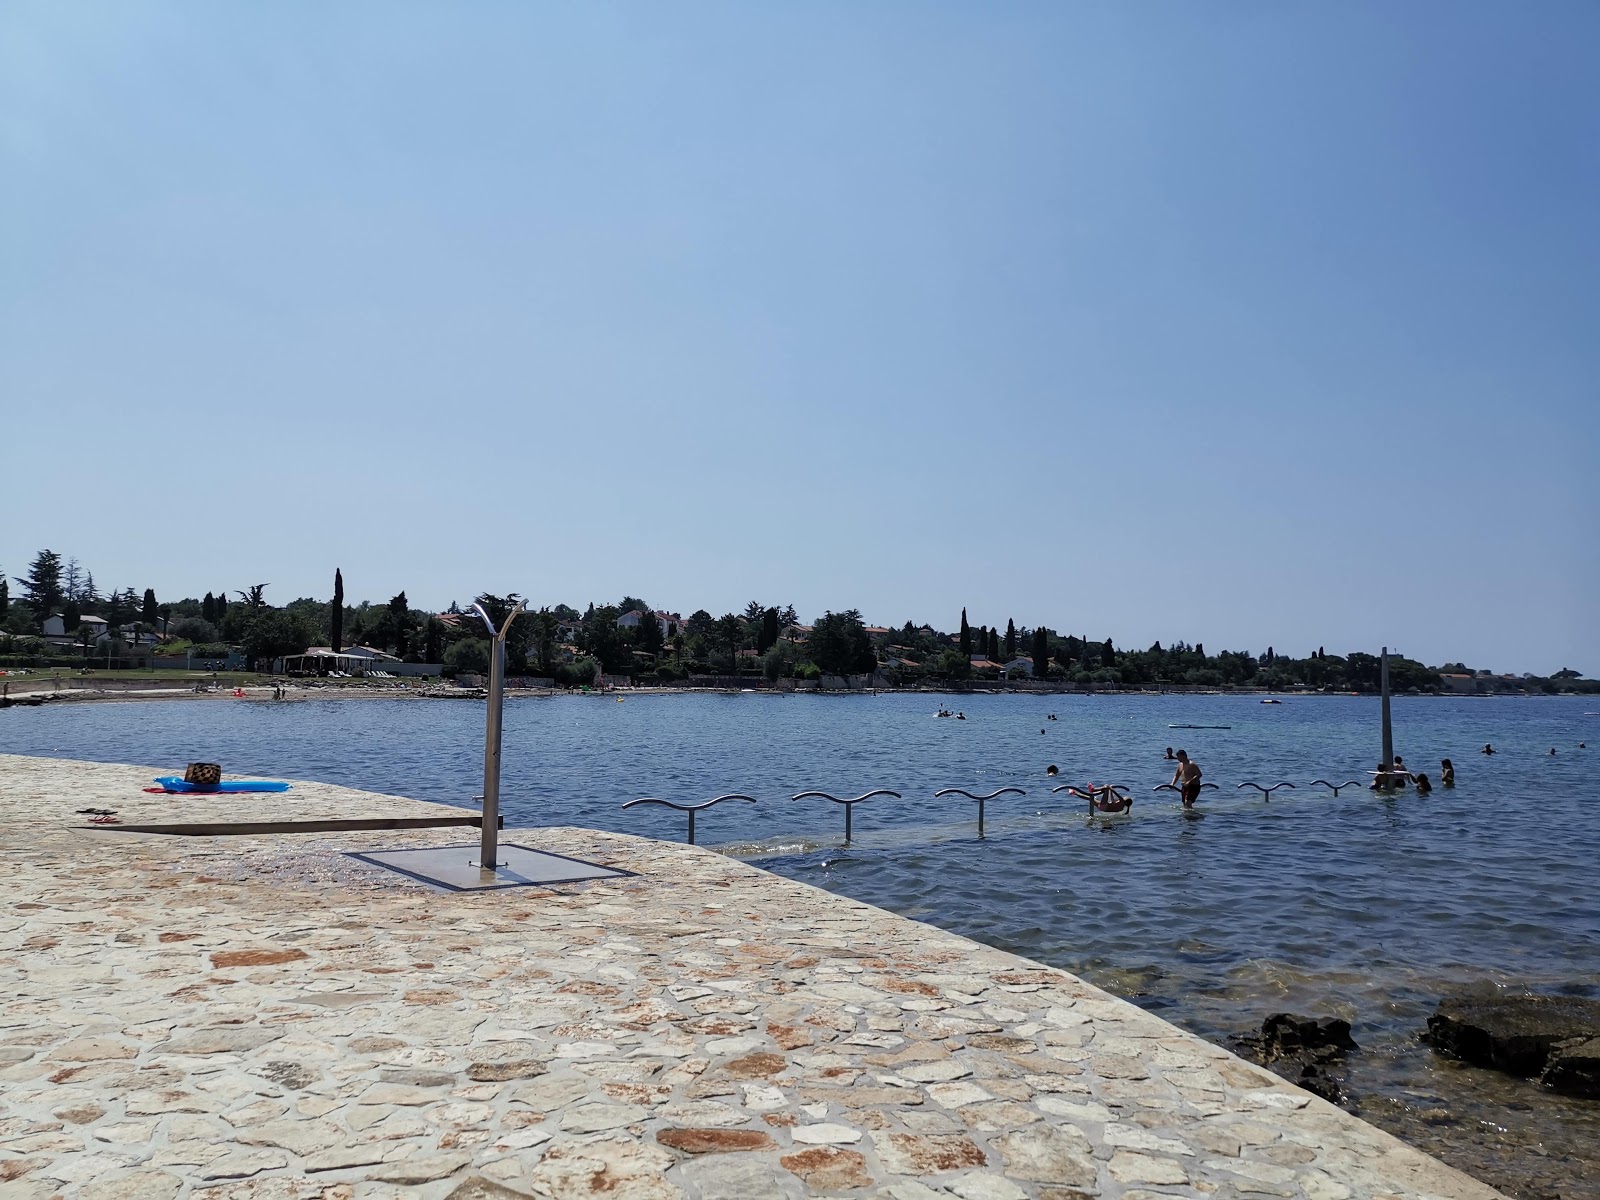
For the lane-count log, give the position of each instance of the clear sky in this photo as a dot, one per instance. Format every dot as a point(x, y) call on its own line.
point(1249, 323)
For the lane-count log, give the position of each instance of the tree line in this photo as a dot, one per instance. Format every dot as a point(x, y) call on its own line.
point(766, 640)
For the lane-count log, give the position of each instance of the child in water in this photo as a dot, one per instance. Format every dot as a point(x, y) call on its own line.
point(1423, 786)
point(1447, 773)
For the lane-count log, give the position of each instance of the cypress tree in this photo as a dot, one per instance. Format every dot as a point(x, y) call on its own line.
point(208, 608)
point(994, 644)
point(149, 613)
point(1108, 654)
point(5, 597)
point(1041, 652)
point(222, 605)
point(966, 636)
point(336, 617)
point(1011, 639)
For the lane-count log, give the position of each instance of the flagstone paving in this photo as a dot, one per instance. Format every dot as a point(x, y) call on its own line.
point(267, 1019)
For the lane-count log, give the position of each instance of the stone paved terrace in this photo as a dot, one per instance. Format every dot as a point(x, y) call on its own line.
point(266, 1018)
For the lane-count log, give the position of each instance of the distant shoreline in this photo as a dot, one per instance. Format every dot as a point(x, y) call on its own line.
point(34, 693)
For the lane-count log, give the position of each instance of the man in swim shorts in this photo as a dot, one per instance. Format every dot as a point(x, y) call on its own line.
point(1187, 779)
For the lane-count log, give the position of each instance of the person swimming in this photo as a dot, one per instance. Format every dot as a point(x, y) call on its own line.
point(1423, 786)
point(1106, 799)
point(1552, 749)
point(1052, 770)
point(1187, 779)
point(1447, 773)
point(1169, 756)
point(1487, 748)
point(961, 716)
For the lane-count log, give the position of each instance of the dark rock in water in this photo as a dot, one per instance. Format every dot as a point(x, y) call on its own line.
point(1511, 1033)
point(1284, 1035)
point(1573, 1068)
point(1306, 1051)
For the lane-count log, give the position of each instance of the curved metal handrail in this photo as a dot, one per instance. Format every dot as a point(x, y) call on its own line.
point(849, 805)
point(1266, 792)
point(691, 809)
point(1172, 787)
point(852, 800)
point(1335, 787)
point(982, 800)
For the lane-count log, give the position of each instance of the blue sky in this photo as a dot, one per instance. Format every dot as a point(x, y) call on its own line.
point(1249, 323)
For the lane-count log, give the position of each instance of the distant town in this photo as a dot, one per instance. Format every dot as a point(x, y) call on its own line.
point(59, 617)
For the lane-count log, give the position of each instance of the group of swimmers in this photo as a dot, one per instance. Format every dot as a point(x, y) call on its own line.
point(1397, 775)
point(945, 712)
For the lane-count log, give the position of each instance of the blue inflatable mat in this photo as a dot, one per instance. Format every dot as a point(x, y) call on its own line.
point(175, 783)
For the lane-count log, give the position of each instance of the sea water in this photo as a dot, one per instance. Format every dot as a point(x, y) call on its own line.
point(1359, 905)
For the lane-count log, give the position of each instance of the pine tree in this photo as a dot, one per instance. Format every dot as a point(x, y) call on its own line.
point(43, 583)
point(966, 635)
point(336, 616)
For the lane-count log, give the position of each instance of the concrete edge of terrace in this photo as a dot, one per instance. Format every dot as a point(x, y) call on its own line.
point(266, 1017)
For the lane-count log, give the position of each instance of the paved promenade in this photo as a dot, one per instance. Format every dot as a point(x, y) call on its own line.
point(265, 1018)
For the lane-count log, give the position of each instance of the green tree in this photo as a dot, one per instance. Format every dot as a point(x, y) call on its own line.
point(730, 635)
point(701, 624)
point(543, 626)
point(604, 641)
point(256, 597)
point(150, 611)
point(518, 638)
point(1041, 652)
point(753, 612)
point(336, 614)
point(1011, 640)
point(966, 635)
point(839, 644)
point(433, 640)
point(1108, 654)
point(467, 656)
point(768, 637)
point(208, 609)
point(273, 633)
point(42, 584)
point(994, 644)
point(5, 597)
point(649, 637)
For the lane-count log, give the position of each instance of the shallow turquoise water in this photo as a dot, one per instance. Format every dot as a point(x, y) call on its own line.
point(1365, 906)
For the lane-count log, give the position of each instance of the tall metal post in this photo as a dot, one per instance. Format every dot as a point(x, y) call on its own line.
point(1388, 728)
point(489, 853)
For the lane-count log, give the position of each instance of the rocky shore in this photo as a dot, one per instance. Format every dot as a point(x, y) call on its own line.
point(267, 1017)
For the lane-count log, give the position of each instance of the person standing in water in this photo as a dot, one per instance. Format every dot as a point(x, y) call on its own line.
point(1187, 779)
point(1447, 773)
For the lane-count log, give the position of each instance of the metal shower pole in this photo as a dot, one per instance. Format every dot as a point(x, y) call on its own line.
point(488, 857)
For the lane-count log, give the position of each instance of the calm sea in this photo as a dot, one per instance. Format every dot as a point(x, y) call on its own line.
point(1359, 906)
